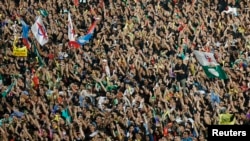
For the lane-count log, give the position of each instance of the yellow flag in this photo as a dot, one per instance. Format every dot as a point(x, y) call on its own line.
point(226, 119)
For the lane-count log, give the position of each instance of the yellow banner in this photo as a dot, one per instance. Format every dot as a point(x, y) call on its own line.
point(226, 119)
point(20, 52)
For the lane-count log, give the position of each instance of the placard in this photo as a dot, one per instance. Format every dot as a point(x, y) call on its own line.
point(20, 52)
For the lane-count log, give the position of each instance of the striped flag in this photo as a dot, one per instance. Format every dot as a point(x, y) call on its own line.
point(85, 39)
point(25, 34)
point(92, 27)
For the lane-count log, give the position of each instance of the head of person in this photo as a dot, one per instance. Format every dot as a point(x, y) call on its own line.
point(179, 60)
point(185, 134)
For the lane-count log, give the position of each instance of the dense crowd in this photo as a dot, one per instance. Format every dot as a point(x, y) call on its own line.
point(136, 79)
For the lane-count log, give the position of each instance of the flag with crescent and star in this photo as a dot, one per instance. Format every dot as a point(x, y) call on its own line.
point(39, 31)
point(209, 64)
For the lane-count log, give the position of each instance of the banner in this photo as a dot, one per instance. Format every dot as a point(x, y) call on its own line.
point(20, 52)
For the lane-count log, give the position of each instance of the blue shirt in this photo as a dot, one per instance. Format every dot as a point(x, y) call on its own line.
point(187, 139)
point(215, 98)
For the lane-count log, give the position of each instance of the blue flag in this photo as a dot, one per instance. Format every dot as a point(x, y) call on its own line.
point(84, 39)
point(25, 30)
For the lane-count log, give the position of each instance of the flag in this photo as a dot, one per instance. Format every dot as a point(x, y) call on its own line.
point(25, 34)
point(210, 65)
point(85, 39)
point(92, 27)
point(71, 32)
point(25, 29)
point(39, 31)
point(74, 44)
point(226, 119)
point(43, 12)
point(38, 56)
point(7, 91)
point(26, 43)
point(231, 10)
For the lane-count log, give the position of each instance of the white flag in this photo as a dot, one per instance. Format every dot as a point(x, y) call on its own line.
point(210, 65)
point(39, 31)
point(71, 32)
point(205, 58)
point(231, 10)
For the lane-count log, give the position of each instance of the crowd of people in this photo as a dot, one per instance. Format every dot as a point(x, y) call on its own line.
point(136, 79)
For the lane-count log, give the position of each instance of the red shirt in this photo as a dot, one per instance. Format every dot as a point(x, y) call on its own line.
point(244, 88)
point(51, 56)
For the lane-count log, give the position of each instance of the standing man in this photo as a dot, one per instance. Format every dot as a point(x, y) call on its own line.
point(181, 72)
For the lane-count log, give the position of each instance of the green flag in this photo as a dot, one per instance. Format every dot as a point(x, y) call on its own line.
point(7, 91)
point(38, 56)
point(43, 12)
point(214, 71)
point(209, 64)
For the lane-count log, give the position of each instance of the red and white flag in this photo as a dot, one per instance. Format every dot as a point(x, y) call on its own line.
point(40, 32)
point(71, 32)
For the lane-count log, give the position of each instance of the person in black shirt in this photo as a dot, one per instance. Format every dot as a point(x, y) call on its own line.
point(181, 71)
